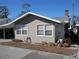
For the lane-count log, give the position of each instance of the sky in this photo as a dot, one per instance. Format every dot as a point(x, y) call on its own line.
point(49, 8)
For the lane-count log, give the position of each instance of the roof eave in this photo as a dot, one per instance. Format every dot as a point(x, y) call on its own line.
point(32, 14)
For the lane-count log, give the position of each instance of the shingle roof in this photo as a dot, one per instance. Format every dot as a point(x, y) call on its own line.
point(47, 18)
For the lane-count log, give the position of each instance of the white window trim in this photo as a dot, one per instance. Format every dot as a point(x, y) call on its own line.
point(44, 31)
point(37, 30)
point(52, 31)
point(16, 31)
point(24, 29)
point(21, 30)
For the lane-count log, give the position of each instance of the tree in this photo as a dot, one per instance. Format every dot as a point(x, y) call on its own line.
point(4, 12)
point(26, 8)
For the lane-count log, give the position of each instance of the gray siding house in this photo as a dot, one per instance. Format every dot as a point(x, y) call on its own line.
point(34, 26)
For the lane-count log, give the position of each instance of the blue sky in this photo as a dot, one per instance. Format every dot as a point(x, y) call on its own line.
point(50, 8)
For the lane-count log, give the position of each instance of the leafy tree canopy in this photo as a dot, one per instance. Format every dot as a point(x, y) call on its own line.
point(4, 11)
point(25, 7)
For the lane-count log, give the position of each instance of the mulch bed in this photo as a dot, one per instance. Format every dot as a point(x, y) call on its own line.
point(52, 49)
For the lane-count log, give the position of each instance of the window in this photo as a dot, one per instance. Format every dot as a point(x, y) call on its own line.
point(24, 30)
point(44, 30)
point(48, 30)
point(40, 30)
point(21, 29)
point(18, 31)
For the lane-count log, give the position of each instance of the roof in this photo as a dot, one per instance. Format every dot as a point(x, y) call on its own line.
point(62, 19)
point(47, 18)
point(77, 25)
point(76, 18)
point(4, 21)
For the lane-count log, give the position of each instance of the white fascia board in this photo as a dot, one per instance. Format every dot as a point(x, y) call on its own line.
point(45, 17)
point(66, 21)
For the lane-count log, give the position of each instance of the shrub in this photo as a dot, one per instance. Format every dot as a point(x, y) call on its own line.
point(44, 43)
point(51, 44)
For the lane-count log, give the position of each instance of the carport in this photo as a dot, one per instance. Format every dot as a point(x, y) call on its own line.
point(7, 31)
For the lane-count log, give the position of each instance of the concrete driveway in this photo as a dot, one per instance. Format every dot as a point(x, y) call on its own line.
point(7, 52)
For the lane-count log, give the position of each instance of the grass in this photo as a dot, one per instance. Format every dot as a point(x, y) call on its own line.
point(51, 49)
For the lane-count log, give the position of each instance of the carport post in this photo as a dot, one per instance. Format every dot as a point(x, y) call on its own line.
point(3, 33)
